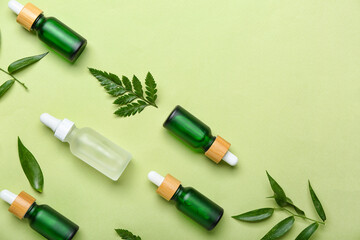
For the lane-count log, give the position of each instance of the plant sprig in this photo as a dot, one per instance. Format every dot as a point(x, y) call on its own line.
point(285, 225)
point(15, 67)
point(127, 235)
point(126, 91)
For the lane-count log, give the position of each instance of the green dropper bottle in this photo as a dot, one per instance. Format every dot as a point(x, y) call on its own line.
point(50, 30)
point(43, 219)
point(188, 200)
point(198, 135)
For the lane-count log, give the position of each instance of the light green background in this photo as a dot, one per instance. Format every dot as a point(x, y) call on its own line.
point(278, 79)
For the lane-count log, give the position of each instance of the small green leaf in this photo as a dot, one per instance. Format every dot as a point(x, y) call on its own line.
point(30, 167)
point(131, 109)
point(127, 235)
point(307, 232)
point(127, 83)
point(151, 88)
point(6, 86)
point(280, 229)
point(24, 62)
point(279, 194)
point(255, 215)
point(298, 210)
point(125, 99)
point(137, 87)
point(317, 204)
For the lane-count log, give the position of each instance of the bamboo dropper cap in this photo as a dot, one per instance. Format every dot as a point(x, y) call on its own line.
point(20, 204)
point(26, 14)
point(167, 185)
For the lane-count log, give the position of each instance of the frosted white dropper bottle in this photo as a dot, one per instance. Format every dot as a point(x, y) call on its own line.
point(91, 147)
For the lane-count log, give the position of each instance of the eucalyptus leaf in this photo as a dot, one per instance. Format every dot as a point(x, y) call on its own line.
point(6, 86)
point(279, 194)
point(307, 232)
point(127, 235)
point(280, 229)
point(24, 62)
point(255, 215)
point(30, 167)
point(317, 204)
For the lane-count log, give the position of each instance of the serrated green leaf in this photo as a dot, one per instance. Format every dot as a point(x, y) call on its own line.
point(279, 194)
point(127, 83)
point(298, 210)
point(109, 81)
point(317, 204)
point(127, 235)
point(280, 229)
point(131, 109)
point(137, 87)
point(6, 86)
point(30, 167)
point(255, 215)
point(307, 232)
point(24, 62)
point(125, 99)
point(151, 88)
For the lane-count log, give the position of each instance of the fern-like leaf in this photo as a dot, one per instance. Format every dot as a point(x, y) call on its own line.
point(125, 99)
point(137, 87)
point(127, 92)
point(151, 88)
point(110, 81)
point(127, 235)
point(131, 109)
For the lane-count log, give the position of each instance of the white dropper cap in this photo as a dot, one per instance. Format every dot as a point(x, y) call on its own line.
point(230, 158)
point(61, 127)
point(8, 196)
point(15, 6)
point(155, 178)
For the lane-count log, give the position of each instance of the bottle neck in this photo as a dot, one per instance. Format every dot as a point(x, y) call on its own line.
point(39, 22)
point(71, 135)
point(31, 213)
point(179, 194)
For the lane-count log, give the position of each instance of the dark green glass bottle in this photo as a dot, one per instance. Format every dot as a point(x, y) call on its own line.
point(50, 30)
point(198, 135)
point(188, 200)
point(42, 218)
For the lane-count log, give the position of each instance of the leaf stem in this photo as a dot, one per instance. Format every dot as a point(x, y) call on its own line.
point(300, 216)
point(23, 84)
point(142, 98)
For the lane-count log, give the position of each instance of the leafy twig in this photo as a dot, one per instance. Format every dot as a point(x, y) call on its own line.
point(127, 91)
point(17, 66)
point(285, 225)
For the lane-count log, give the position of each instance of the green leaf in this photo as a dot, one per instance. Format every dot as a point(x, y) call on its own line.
point(131, 109)
point(24, 62)
point(298, 210)
point(110, 81)
point(6, 86)
point(127, 83)
point(127, 235)
point(280, 229)
point(30, 167)
point(255, 215)
point(137, 87)
point(307, 232)
point(125, 99)
point(279, 194)
point(317, 204)
point(151, 88)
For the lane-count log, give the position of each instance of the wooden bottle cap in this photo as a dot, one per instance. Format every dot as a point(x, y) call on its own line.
point(28, 15)
point(168, 187)
point(21, 204)
point(218, 149)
